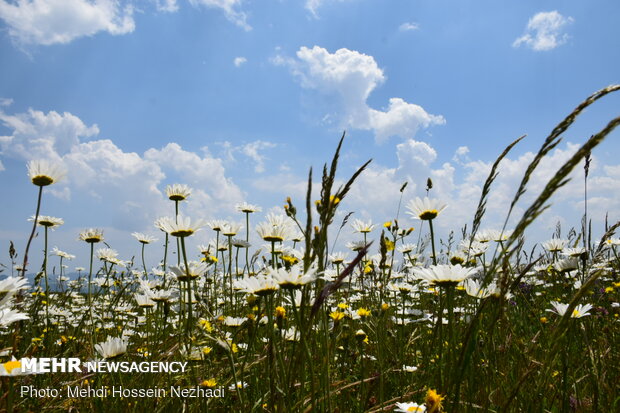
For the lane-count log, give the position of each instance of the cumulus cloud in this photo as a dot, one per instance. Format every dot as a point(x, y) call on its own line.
point(231, 8)
point(252, 150)
point(544, 31)
point(169, 6)
point(47, 22)
point(239, 61)
point(408, 26)
point(37, 134)
point(352, 76)
point(101, 173)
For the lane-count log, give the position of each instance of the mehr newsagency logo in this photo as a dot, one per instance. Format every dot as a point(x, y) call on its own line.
point(75, 365)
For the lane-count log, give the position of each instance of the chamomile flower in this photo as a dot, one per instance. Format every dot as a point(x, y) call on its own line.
point(573, 252)
point(554, 245)
point(195, 270)
point(258, 285)
point(248, 208)
point(444, 274)
point(581, 310)
point(107, 254)
point(65, 255)
point(425, 209)
point(217, 224)
point(410, 407)
point(12, 284)
point(362, 227)
point(338, 258)
point(566, 265)
point(9, 316)
point(43, 172)
point(230, 229)
point(294, 278)
point(406, 248)
point(180, 226)
point(143, 238)
point(111, 348)
point(178, 192)
point(273, 233)
point(48, 222)
point(144, 301)
point(92, 235)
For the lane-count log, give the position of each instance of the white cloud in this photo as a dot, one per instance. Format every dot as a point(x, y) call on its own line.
point(6, 101)
point(351, 76)
point(36, 134)
point(47, 22)
point(313, 5)
point(101, 174)
point(401, 119)
point(168, 6)
point(408, 26)
point(544, 31)
point(231, 9)
point(239, 61)
point(252, 150)
point(461, 155)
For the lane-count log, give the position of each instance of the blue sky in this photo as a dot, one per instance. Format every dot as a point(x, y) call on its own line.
point(239, 98)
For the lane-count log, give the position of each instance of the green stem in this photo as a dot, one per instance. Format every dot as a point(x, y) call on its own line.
point(34, 227)
point(430, 224)
point(189, 292)
point(90, 305)
point(146, 274)
point(47, 288)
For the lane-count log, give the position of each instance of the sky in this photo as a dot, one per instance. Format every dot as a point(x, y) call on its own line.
point(239, 98)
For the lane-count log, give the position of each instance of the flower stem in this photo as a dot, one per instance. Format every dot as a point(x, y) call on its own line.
point(34, 228)
point(430, 224)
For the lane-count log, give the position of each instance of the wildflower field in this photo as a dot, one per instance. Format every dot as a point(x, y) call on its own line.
point(398, 320)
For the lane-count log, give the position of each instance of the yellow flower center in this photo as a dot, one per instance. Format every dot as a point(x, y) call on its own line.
point(42, 180)
point(182, 233)
point(428, 214)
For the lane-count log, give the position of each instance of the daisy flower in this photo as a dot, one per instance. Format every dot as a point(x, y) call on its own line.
point(409, 407)
point(273, 233)
point(294, 278)
point(43, 172)
point(92, 235)
point(425, 209)
point(444, 274)
point(581, 310)
point(248, 208)
point(47, 221)
point(178, 192)
point(196, 269)
point(180, 226)
point(143, 238)
point(362, 227)
point(230, 229)
point(554, 245)
point(111, 348)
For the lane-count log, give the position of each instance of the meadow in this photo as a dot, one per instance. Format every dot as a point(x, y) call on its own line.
point(395, 321)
